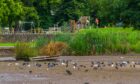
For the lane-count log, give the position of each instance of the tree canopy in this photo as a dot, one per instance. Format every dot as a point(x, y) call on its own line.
point(45, 13)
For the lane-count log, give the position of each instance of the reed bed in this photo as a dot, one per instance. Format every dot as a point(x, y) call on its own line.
point(100, 41)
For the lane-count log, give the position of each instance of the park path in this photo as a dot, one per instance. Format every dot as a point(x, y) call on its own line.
point(6, 47)
point(87, 58)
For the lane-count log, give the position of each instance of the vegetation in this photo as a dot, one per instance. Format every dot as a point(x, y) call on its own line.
point(24, 51)
point(7, 44)
point(94, 41)
point(101, 41)
point(54, 49)
point(88, 41)
point(45, 13)
point(105, 41)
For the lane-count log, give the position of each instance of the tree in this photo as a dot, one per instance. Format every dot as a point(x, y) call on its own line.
point(69, 9)
point(109, 11)
point(46, 10)
point(12, 11)
point(131, 14)
point(2, 9)
point(45, 13)
point(30, 12)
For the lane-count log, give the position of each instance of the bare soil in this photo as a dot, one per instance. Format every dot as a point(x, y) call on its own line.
point(7, 52)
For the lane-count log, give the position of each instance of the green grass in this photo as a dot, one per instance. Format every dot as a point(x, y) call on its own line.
point(106, 41)
point(96, 41)
point(7, 44)
point(32, 44)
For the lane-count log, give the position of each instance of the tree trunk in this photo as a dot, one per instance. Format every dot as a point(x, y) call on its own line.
point(17, 26)
point(10, 24)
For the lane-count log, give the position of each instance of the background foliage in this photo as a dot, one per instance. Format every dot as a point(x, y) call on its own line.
point(45, 13)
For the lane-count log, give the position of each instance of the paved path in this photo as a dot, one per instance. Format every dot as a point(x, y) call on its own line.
point(7, 59)
point(100, 58)
point(6, 47)
point(87, 58)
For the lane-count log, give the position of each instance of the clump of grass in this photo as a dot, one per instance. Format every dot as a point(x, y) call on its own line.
point(54, 49)
point(24, 51)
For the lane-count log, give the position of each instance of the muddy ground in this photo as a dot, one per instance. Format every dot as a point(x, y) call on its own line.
point(18, 73)
point(6, 51)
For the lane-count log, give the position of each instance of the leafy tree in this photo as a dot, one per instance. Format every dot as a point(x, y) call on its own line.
point(45, 13)
point(109, 11)
point(131, 14)
point(46, 10)
point(91, 9)
point(69, 9)
point(12, 11)
point(1, 12)
point(30, 12)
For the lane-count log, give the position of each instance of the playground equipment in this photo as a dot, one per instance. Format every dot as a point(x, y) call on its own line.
point(22, 23)
point(73, 25)
point(83, 22)
point(32, 27)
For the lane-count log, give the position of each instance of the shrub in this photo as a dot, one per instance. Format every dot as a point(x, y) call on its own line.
point(24, 51)
point(54, 49)
point(41, 42)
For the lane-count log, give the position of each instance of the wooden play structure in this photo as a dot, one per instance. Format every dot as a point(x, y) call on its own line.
point(83, 22)
point(73, 25)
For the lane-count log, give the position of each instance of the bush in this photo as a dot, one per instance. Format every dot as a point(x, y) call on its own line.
point(24, 51)
point(41, 42)
point(54, 49)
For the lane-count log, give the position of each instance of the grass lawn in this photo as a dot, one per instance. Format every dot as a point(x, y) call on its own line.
point(7, 44)
point(14, 44)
